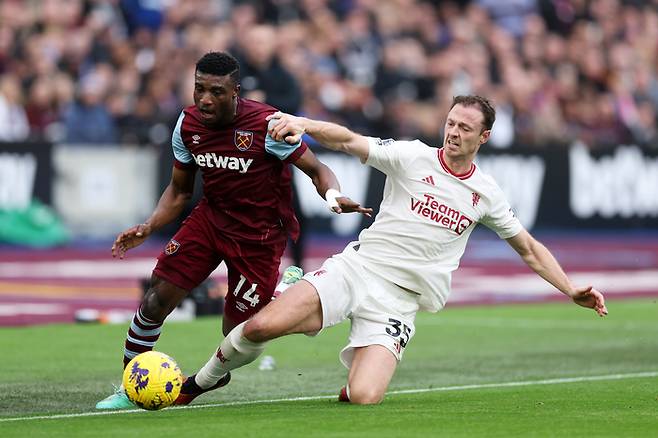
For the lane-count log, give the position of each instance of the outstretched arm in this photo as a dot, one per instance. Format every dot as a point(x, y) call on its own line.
point(170, 206)
point(540, 260)
point(327, 186)
point(338, 138)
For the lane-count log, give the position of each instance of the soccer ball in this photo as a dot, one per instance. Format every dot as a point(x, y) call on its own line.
point(152, 380)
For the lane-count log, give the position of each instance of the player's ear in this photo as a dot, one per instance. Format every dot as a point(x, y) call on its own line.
point(484, 137)
point(236, 89)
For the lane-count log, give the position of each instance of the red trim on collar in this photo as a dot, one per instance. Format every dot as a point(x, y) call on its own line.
point(464, 175)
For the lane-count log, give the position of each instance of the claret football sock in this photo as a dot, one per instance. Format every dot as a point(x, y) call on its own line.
point(142, 336)
point(234, 352)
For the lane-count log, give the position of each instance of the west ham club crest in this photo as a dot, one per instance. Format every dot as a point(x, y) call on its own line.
point(243, 139)
point(172, 247)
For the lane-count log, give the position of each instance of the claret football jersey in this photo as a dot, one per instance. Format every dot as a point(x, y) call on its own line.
point(426, 216)
point(246, 176)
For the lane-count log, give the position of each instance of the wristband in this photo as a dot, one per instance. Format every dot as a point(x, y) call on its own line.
point(331, 196)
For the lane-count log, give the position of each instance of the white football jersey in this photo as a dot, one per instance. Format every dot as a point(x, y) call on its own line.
point(425, 218)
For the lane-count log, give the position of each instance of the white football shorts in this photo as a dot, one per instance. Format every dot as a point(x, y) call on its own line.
point(381, 312)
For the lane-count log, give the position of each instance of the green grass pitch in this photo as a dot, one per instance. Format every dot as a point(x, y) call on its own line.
point(514, 370)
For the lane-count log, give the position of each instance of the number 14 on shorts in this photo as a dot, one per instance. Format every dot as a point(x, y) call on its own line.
point(399, 329)
point(250, 295)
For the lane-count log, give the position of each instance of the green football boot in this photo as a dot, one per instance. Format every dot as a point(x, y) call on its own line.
point(118, 400)
point(290, 276)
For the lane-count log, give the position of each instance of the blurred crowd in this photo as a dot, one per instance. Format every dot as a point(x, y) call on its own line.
point(120, 71)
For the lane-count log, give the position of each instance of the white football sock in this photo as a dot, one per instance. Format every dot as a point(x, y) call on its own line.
point(235, 351)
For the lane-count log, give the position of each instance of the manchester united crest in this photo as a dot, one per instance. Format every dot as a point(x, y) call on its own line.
point(476, 199)
point(171, 247)
point(243, 139)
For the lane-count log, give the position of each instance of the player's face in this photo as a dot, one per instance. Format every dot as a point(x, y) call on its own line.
point(215, 98)
point(464, 132)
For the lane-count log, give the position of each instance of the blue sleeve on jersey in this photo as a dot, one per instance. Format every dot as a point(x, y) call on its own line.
point(280, 149)
point(181, 153)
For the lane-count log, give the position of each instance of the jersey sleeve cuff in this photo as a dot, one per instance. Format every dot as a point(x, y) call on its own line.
point(296, 153)
point(181, 165)
point(511, 233)
point(373, 150)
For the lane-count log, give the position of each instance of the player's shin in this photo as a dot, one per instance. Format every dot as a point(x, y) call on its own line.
point(142, 335)
point(235, 351)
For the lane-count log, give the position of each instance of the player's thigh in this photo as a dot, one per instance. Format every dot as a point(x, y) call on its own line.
point(376, 345)
point(298, 310)
point(323, 298)
point(252, 278)
point(384, 316)
point(337, 284)
point(191, 255)
point(372, 368)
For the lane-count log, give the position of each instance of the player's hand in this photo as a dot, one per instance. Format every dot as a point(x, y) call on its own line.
point(285, 127)
point(589, 297)
point(130, 238)
point(346, 205)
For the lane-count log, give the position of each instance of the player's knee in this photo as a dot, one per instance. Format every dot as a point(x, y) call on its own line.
point(161, 299)
point(365, 395)
point(257, 329)
point(152, 309)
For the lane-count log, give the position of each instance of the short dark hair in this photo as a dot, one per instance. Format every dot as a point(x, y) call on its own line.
point(487, 109)
point(219, 64)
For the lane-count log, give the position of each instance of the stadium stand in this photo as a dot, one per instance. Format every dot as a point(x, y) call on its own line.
point(557, 70)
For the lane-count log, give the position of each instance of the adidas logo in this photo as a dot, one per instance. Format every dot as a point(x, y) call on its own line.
point(429, 180)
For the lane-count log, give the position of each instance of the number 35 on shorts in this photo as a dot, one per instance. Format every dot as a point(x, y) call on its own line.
point(399, 330)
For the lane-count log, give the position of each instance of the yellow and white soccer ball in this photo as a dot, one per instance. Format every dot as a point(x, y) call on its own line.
point(152, 380)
